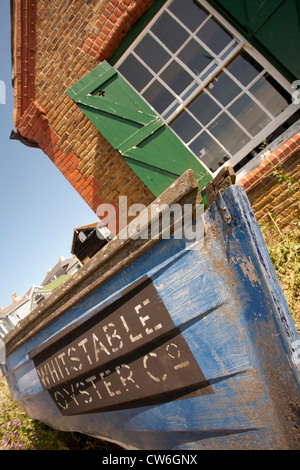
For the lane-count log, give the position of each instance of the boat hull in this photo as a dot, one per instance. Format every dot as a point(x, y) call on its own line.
point(187, 346)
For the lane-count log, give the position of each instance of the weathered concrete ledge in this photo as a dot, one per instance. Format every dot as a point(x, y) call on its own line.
point(114, 257)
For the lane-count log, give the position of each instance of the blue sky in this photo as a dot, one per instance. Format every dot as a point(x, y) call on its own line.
point(38, 207)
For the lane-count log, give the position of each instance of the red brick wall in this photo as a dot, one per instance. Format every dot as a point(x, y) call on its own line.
point(274, 160)
point(50, 55)
point(273, 188)
point(24, 54)
point(275, 200)
point(111, 27)
point(56, 42)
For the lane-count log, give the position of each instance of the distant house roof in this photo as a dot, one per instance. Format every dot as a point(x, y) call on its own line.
point(89, 226)
point(19, 301)
point(11, 307)
point(73, 263)
point(86, 243)
point(59, 269)
point(54, 284)
point(85, 229)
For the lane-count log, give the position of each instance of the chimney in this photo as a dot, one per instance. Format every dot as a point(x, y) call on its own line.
point(15, 297)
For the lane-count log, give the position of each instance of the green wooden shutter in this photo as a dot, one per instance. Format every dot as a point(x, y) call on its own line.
point(148, 145)
point(272, 26)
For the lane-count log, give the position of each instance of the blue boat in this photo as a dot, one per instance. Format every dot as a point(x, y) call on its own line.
point(166, 343)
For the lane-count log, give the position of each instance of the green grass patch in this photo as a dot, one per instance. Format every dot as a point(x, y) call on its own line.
point(284, 250)
point(19, 432)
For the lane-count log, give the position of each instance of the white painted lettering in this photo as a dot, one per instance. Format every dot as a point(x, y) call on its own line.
point(43, 375)
point(74, 359)
point(135, 338)
point(61, 357)
point(108, 384)
point(137, 308)
point(98, 350)
point(60, 371)
point(153, 377)
point(84, 392)
point(128, 378)
point(53, 373)
point(144, 319)
point(71, 394)
point(174, 353)
point(82, 344)
point(125, 324)
point(58, 397)
point(114, 335)
point(92, 380)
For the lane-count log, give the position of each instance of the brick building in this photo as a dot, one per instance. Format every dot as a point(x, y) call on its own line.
point(213, 84)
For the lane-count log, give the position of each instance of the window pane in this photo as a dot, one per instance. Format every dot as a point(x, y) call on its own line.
point(158, 96)
point(249, 114)
point(244, 68)
point(209, 151)
point(152, 53)
point(195, 57)
point(204, 108)
point(166, 114)
point(224, 89)
point(169, 32)
point(228, 50)
point(191, 14)
point(208, 71)
point(214, 36)
point(228, 133)
point(190, 90)
point(135, 73)
point(270, 94)
point(176, 77)
point(217, 114)
point(185, 126)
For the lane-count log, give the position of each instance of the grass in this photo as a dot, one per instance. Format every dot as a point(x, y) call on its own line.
point(19, 432)
point(285, 256)
point(284, 244)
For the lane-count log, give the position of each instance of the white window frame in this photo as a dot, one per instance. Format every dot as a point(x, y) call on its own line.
point(4, 329)
point(241, 45)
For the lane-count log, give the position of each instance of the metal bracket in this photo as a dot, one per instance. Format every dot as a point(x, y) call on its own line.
point(214, 190)
point(224, 209)
point(225, 178)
